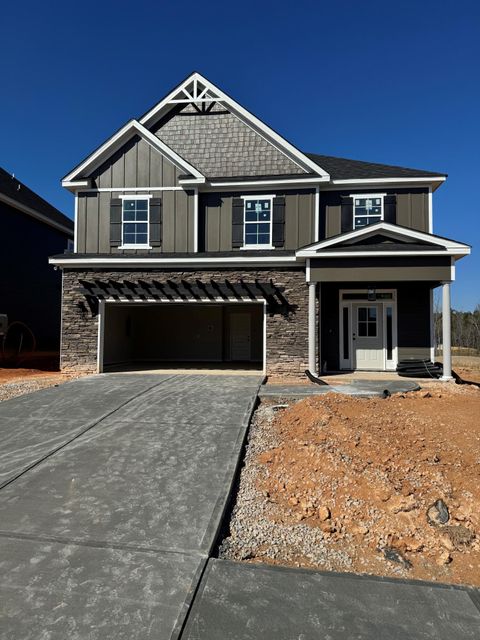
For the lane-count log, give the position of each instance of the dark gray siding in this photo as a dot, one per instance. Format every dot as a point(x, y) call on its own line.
point(215, 219)
point(93, 231)
point(412, 208)
point(136, 164)
point(413, 311)
point(30, 289)
point(408, 268)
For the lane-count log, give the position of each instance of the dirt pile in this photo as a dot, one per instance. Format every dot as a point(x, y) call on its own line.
point(389, 487)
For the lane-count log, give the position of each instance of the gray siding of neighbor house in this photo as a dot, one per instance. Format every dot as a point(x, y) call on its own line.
point(413, 310)
point(411, 268)
point(411, 209)
point(136, 164)
point(215, 219)
point(218, 144)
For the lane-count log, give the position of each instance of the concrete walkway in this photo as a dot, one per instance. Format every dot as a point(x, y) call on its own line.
point(358, 388)
point(248, 602)
point(112, 491)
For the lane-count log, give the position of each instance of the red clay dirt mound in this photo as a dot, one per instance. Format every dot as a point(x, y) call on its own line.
point(394, 484)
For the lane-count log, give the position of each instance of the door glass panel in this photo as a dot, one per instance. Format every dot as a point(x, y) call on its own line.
point(367, 322)
point(389, 311)
point(346, 335)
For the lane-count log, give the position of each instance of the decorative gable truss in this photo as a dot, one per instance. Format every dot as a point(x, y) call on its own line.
point(196, 94)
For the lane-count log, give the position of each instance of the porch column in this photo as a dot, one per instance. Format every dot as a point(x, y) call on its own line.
point(312, 338)
point(446, 332)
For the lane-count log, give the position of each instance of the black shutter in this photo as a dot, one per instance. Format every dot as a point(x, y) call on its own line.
point(115, 222)
point(155, 223)
point(278, 234)
point(390, 209)
point(237, 222)
point(347, 214)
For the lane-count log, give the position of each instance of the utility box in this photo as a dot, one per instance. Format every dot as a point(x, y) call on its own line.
point(3, 323)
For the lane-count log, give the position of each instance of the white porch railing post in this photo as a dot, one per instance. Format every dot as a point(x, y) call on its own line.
point(446, 332)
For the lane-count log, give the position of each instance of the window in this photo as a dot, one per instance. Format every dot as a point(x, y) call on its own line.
point(367, 322)
point(258, 222)
point(367, 209)
point(135, 222)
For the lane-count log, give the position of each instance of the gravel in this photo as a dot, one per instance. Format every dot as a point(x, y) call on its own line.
point(20, 387)
point(253, 533)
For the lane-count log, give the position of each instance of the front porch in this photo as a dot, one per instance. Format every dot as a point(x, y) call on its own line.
point(371, 298)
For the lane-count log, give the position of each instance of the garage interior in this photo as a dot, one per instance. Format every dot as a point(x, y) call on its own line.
point(185, 335)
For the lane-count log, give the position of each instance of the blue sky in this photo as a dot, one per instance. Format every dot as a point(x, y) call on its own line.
point(389, 82)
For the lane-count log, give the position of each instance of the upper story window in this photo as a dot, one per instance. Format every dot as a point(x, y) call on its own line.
point(258, 222)
point(135, 218)
point(367, 209)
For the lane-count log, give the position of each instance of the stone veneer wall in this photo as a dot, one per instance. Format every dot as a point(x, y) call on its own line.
point(287, 335)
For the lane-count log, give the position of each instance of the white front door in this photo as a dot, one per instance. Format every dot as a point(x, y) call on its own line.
point(367, 336)
point(240, 336)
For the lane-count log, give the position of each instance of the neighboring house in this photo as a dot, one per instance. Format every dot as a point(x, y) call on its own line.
point(30, 290)
point(202, 235)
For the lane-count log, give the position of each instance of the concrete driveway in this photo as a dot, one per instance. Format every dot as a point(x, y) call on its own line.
point(112, 489)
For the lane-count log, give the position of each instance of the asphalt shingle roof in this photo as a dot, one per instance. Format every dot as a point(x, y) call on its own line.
point(346, 169)
point(16, 190)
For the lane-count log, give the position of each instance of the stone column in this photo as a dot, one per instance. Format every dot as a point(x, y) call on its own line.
point(446, 332)
point(312, 338)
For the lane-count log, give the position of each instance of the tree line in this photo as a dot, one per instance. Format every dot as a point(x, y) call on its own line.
point(465, 328)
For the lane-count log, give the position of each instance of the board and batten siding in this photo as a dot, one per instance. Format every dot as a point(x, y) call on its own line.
point(411, 209)
point(136, 164)
point(215, 219)
point(93, 220)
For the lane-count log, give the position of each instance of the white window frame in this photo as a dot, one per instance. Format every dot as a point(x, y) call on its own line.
point(367, 195)
point(257, 197)
point(137, 197)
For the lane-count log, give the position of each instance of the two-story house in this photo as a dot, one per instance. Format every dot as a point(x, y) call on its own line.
point(30, 290)
point(203, 236)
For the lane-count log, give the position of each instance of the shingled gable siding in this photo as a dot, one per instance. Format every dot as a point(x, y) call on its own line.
point(217, 143)
point(287, 347)
point(411, 209)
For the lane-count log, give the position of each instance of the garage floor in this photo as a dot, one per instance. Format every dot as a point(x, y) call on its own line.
point(113, 489)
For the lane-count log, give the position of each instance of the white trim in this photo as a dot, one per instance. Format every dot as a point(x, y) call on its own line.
point(365, 196)
point(139, 196)
point(101, 335)
point(426, 179)
point(128, 189)
point(430, 210)
point(269, 183)
point(246, 246)
point(150, 301)
point(316, 231)
point(248, 118)
point(452, 269)
point(363, 254)
point(195, 220)
point(155, 262)
point(114, 142)
point(432, 328)
point(35, 214)
point(391, 229)
point(388, 365)
point(307, 271)
point(75, 184)
point(145, 245)
point(75, 225)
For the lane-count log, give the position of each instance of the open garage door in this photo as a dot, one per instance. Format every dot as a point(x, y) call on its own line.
point(159, 335)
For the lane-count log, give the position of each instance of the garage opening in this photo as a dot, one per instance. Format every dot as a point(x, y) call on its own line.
point(159, 335)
